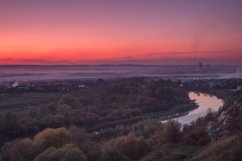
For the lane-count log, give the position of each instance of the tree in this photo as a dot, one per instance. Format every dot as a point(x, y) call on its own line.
point(197, 137)
point(67, 153)
point(113, 155)
point(53, 138)
point(234, 126)
point(169, 133)
point(129, 146)
point(71, 101)
point(11, 125)
point(19, 150)
point(1, 124)
point(54, 121)
point(64, 108)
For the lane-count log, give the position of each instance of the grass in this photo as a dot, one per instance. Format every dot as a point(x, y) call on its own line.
point(171, 152)
point(226, 149)
point(16, 102)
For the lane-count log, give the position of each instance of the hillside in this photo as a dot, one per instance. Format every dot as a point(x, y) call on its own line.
point(119, 120)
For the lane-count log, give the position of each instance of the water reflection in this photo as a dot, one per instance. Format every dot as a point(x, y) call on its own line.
point(205, 102)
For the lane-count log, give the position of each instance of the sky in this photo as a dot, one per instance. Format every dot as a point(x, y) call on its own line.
point(159, 32)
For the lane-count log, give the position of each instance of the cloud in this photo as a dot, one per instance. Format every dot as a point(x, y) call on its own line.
point(32, 61)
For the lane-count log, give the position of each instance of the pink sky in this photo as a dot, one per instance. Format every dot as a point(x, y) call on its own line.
point(137, 31)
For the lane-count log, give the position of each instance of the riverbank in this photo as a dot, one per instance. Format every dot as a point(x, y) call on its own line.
point(205, 103)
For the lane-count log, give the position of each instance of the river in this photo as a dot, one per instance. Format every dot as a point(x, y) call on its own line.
point(204, 102)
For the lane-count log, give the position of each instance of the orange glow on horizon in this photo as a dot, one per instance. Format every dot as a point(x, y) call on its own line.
point(55, 46)
point(121, 31)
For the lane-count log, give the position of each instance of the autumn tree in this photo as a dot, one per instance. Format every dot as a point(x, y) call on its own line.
point(53, 138)
point(130, 146)
point(68, 152)
point(19, 150)
point(170, 132)
point(71, 101)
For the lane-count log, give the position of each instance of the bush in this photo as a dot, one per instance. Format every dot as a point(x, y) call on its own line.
point(67, 153)
point(19, 150)
point(226, 149)
point(197, 137)
point(71, 101)
point(169, 133)
point(128, 146)
point(53, 138)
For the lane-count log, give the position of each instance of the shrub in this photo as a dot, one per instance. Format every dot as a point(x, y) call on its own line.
point(226, 149)
point(52, 137)
point(71, 101)
point(197, 137)
point(19, 150)
point(67, 153)
point(169, 133)
point(128, 146)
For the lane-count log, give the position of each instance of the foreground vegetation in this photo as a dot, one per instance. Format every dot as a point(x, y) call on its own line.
point(116, 120)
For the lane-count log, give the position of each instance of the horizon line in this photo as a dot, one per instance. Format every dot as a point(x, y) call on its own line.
point(1, 65)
